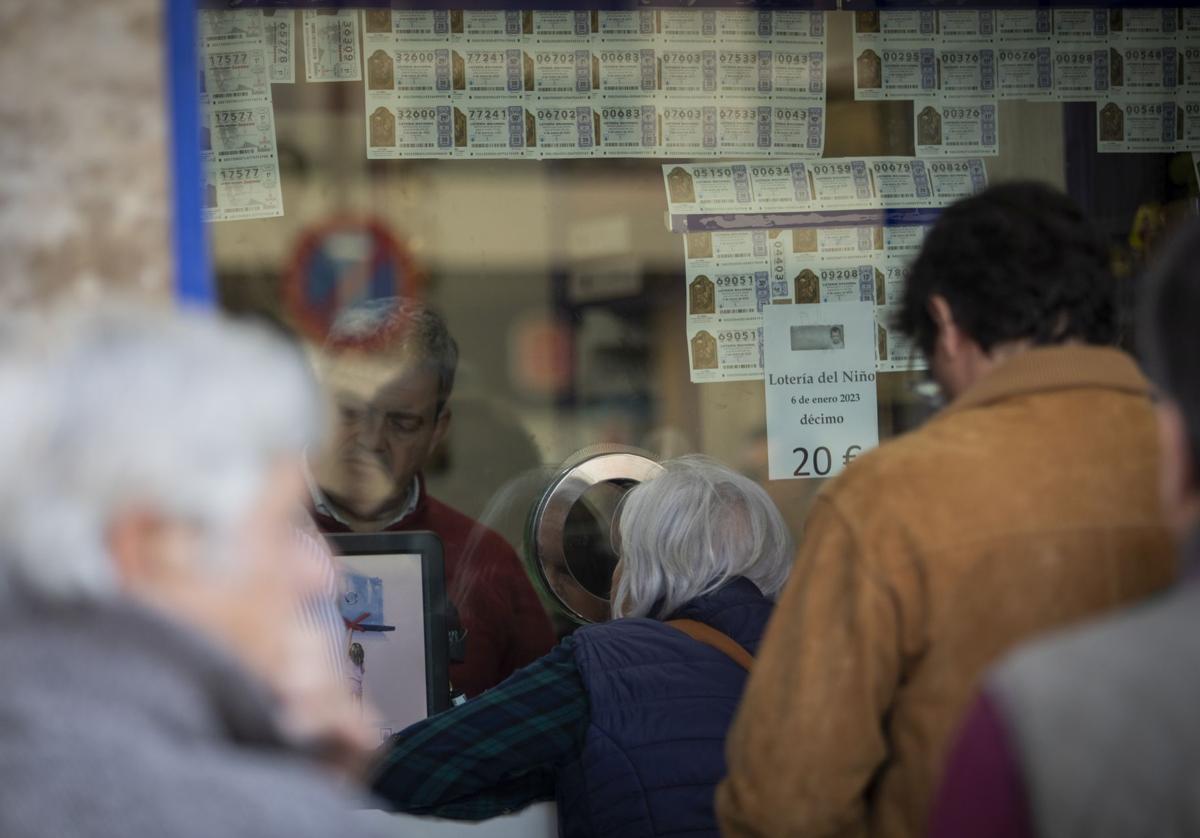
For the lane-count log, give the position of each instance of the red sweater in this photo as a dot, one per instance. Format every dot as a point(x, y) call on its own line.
point(506, 626)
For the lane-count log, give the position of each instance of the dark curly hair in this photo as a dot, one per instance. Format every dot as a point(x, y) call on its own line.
point(1168, 339)
point(1018, 261)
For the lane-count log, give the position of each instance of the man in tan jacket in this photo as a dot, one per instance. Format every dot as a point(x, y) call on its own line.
point(1028, 503)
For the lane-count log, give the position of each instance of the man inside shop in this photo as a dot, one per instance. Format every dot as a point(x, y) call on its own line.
point(389, 366)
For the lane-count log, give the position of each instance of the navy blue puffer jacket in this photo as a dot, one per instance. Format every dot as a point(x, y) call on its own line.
point(661, 705)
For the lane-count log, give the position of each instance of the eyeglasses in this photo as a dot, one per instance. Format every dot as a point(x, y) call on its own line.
point(928, 391)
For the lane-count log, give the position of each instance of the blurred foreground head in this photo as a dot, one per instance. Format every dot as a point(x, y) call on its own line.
point(1170, 347)
point(154, 455)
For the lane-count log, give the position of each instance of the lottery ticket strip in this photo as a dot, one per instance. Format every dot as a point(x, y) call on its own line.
point(544, 84)
point(802, 232)
point(682, 83)
point(242, 53)
point(1140, 66)
point(740, 82)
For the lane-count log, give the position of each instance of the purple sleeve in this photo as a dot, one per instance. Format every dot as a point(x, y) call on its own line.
point(983, 791)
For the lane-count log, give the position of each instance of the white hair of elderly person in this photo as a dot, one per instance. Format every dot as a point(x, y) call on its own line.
point(691, 530)
point(632, 742)
point(156, 680)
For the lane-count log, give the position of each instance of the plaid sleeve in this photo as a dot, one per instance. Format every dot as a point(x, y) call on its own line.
point(495, 754)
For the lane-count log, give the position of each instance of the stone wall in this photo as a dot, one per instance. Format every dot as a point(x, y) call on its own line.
point(83, 157)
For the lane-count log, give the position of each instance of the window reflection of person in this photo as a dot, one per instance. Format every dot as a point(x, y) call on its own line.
point(389, 367)
point(358, 671)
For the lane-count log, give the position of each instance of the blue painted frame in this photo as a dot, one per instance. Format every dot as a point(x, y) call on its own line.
point(553, 5)
point(194, 283)
point(848, 5)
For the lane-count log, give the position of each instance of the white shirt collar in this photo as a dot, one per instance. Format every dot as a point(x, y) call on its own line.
point(322, 505)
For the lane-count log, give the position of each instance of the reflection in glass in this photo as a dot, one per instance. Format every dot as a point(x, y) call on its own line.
point(588, 536)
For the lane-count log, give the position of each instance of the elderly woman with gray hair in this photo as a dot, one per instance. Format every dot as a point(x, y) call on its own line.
point(624, 722)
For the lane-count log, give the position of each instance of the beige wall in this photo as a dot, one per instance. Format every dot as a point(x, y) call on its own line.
point(83, 194)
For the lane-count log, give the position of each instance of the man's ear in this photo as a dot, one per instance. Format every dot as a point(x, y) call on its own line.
point(949, 335)
point(1177, 477)
point(441, 427)
point(134, 540)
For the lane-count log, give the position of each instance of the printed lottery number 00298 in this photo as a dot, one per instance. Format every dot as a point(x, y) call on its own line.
point(821, 460)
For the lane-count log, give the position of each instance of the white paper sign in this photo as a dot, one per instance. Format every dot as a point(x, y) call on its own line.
point(822, 408)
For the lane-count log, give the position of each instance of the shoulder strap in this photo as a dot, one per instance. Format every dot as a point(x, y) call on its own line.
point(718, 640)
